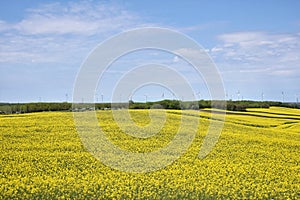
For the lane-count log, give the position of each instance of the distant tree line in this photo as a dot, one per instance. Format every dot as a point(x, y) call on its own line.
point(10, 108)
point(7, 108)
point(194, 105)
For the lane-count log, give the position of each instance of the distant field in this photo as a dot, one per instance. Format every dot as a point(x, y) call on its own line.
point(257, 156)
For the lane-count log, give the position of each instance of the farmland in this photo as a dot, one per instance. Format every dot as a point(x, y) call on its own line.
point(257, 156)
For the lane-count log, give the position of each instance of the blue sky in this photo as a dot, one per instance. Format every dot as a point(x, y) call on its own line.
point(254, 44)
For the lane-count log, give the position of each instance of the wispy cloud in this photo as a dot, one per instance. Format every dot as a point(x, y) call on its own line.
point(75, 18)
point(255, 51)
point(4, 26)
point(202, 26)
point(58, 32)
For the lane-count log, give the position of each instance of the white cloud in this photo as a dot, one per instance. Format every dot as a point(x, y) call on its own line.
point(191, 52)
point(62, 32)
point(267, 69)
point(216, 49)
point(250, 42)
point(175, 59)
point(282, 72)
point(75, 18)
point(241, 37)
point(4, 26)
point(255, 51)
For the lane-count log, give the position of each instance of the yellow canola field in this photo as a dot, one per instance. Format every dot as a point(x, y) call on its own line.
point(255, 158)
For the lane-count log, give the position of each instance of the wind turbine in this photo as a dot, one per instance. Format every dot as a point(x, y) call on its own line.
point(96, 97)
point(199, 95)
point(238, 93)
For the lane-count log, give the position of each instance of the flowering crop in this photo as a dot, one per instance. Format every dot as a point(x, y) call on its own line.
point(256, 157)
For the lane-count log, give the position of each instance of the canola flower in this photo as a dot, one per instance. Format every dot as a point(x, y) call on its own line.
point(255, 158)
